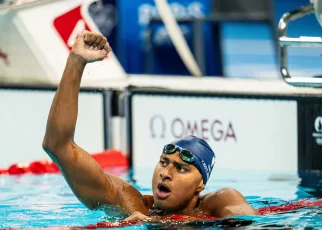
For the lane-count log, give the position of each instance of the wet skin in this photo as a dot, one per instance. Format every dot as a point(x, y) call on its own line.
point(176, 185)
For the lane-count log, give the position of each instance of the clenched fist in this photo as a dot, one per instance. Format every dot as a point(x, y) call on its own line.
point(91, 46)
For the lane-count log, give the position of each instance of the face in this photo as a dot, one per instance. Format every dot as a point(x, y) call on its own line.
point(175, 183)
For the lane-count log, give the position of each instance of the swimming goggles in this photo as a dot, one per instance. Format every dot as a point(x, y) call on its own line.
point(184, 154)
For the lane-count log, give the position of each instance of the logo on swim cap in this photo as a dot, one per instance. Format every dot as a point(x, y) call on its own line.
point(213, 161)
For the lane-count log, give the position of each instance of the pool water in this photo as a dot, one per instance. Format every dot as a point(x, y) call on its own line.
point(31, 201)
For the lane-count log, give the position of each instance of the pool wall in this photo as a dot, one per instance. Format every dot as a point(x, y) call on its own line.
point(250, 124)
point(23, 118)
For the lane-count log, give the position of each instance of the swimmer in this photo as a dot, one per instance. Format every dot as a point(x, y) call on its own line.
point(179, 177)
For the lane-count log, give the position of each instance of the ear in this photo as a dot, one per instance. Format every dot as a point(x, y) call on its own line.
point(201, 187)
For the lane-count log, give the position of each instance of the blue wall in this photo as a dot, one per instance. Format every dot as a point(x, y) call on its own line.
point(134, 16)
point(248, 49)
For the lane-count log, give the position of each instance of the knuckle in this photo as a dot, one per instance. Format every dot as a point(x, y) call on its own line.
point(85, 32)
point(98, 40)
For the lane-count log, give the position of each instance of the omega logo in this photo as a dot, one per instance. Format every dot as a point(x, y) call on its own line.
point(206, 129)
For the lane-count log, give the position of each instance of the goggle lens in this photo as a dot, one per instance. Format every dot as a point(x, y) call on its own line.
point(184, 154)
point(170, 148)
point(187, 156)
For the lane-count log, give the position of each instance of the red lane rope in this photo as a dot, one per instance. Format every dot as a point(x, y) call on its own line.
point(181, 218)
point(305, 203)
point(107, 160)
point(112, 159)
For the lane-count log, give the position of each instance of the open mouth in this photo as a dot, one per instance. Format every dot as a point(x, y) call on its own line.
point(163, 191)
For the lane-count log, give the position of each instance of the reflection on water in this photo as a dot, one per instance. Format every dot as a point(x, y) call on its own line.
point(311, 183)
point(42, 201)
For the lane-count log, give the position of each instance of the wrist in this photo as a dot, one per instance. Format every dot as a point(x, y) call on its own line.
point(76, 60)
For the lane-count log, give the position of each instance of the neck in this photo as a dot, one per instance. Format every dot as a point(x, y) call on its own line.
point(188, 209)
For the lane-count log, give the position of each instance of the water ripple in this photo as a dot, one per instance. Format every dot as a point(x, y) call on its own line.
point(43, 201)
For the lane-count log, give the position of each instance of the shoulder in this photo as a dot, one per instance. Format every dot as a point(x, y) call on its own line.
point(222, 195)
point(131, 199)
point(219, 199)
point(227, 202)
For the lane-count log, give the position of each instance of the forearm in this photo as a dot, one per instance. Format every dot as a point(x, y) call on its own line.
point(62, 117)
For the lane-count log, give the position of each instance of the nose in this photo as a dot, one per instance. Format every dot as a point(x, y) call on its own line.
point(166, 174)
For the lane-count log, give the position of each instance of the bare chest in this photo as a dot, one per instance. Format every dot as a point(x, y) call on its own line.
point(199, 210)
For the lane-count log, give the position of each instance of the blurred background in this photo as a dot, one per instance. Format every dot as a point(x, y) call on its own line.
point(234, 38)
point(228, 39)
point(145, 94)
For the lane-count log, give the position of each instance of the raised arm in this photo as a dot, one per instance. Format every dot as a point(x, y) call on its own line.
point(82, 173)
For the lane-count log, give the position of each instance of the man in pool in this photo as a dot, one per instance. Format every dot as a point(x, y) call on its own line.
point(179, 177)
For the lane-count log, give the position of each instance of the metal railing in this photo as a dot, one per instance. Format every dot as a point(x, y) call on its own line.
point(285, 42)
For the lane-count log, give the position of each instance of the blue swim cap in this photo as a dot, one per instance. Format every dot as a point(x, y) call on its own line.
point(205, 157)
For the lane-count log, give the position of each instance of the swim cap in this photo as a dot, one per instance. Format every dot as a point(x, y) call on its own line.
point(205, 157)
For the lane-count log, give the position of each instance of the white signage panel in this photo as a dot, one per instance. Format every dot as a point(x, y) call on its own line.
point(244, 133)
point(23, 121)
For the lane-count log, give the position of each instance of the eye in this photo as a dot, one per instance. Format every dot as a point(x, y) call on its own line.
point(182, 169)
point(163, 163)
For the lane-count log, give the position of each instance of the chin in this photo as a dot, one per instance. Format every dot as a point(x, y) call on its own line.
point(165, 205)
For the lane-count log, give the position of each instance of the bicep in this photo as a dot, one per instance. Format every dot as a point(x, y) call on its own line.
point(86, 178)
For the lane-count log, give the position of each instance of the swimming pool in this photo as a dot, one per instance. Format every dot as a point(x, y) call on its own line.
point(31, 201)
